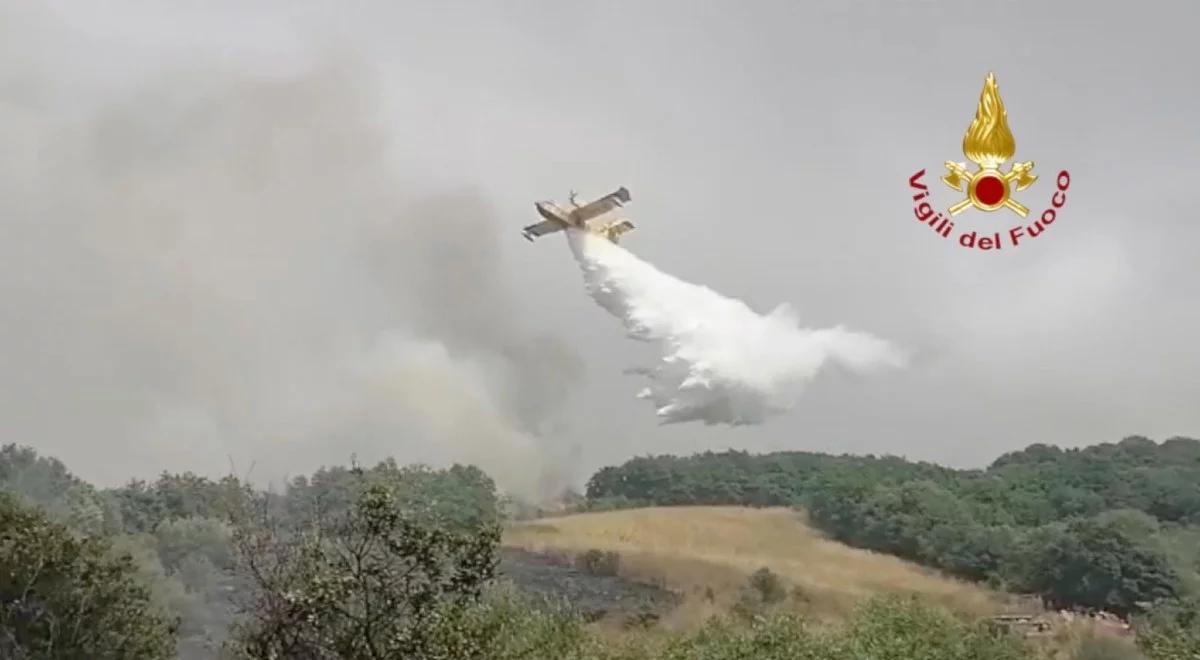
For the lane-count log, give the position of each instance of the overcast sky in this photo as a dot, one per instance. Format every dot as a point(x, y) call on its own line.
point(286, 234)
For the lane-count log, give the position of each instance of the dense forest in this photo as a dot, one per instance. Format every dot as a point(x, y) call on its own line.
point(1112, 526)
point(398, 561)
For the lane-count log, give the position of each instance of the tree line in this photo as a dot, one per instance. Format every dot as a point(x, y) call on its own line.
point(1112, 527)
point(395, 561)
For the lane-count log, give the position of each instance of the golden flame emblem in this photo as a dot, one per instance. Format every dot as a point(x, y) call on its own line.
point(988, 143)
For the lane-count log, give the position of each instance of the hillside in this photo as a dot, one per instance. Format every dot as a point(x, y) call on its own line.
point(1107, 527)
point(707, 554)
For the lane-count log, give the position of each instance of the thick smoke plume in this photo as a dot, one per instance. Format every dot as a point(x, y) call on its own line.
point(202, 264)
point(722, 362)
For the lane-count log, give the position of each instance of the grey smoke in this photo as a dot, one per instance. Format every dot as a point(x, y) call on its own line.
point(212, 264)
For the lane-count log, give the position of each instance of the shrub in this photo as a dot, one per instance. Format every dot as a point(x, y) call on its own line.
point(599, 562)
point(763, 589)
point(1171, 631)
point(769, 585)
point(1107, 648)
point(894, 627)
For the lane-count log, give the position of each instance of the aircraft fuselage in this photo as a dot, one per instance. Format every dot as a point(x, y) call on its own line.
point(551, 211)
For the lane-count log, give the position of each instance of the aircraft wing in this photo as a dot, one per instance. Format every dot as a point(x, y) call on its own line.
point(601, 206)
point(541, 229)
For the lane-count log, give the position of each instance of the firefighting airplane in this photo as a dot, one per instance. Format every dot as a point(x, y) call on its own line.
point(586, 217)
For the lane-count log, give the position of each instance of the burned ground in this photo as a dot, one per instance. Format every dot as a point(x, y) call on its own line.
point(595, 596)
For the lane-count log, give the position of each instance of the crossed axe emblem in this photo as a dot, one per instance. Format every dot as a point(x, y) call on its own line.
point(997, 186)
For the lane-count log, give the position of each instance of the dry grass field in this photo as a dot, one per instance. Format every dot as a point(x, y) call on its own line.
point(707, 554)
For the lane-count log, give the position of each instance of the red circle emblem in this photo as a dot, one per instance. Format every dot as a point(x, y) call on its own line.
point(990, 190)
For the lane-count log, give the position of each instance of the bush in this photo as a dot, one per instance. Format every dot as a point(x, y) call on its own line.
point(887, 628)
point(763, 589)
point(1171, 631)
point(614, 504)
point(769, 586)
point(1107, 648)
point(644, 618)
point(893, 627)
point(769, 638)
point(599, 562)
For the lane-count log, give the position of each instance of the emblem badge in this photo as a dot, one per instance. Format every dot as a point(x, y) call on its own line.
point(989, 143)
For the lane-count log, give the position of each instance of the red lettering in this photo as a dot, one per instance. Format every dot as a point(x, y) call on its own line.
point(925, 213)
point(1062, 185)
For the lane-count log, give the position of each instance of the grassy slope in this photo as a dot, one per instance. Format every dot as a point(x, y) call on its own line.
point(696, 549)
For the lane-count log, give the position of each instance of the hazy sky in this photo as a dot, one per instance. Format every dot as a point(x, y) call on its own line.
point(288, 234)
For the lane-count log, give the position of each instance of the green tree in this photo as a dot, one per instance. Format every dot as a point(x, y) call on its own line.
point(183, 538)
point(1171, 631)
point(145, 506)
point(1112, 561)
point(46, 482)
point(374, 583)
point(461, 496)
point(63, 597)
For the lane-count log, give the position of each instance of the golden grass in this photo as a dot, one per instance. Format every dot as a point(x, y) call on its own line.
point(703, 551)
